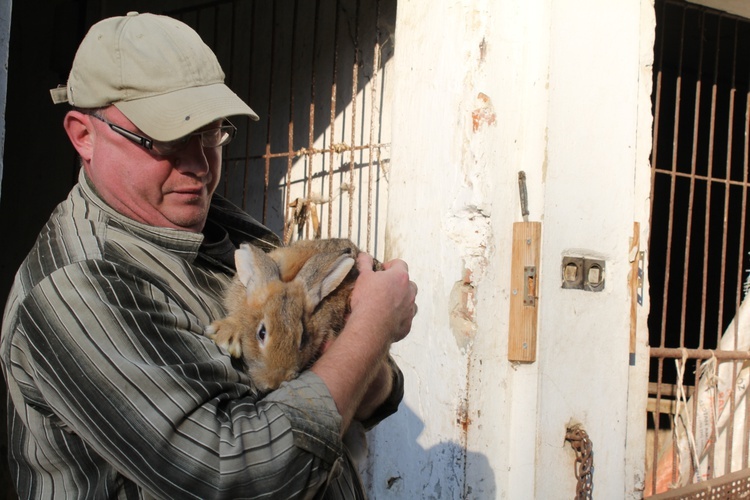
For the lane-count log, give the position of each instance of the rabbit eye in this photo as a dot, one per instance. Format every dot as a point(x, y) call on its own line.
point(261, 334)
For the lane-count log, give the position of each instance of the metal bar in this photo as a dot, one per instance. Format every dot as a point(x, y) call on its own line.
point(704, 295)
point(290, 125)
point(230, 71)
point(332, 123)
point(679, 352)
point(311, 126)
point(654, 163)
point(740, 267)
point(736, 484)
point(335, 148)
point(725, 227)
point(669, 390)
point(670, 224)
point(710, 469)
point(353, 128)
point(269, 111)
point(707, 225)
point(248, 93)
point(675, 175)
point(373, 101)
point(691, 195)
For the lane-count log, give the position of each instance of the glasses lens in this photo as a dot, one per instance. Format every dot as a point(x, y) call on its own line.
point(218, 137)
point(212, 138)
point(169, 148)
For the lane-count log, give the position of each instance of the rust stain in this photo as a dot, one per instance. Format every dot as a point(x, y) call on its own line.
point(484, 113)
point(463, 419)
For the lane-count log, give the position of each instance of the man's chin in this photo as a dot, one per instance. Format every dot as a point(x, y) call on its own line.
point(191, 218)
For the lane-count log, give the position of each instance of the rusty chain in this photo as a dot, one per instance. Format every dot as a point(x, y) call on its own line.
point(584, 466)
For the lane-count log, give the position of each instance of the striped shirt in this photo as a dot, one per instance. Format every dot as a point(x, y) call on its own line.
point(114, 391)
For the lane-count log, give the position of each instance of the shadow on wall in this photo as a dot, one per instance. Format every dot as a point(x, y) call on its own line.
point(399, 467)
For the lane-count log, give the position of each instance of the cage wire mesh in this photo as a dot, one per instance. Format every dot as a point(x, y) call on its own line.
point(316, 72)
point(699, 326)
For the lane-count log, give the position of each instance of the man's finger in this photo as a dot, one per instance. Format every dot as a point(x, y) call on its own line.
point(364, 262)
point(396, 263)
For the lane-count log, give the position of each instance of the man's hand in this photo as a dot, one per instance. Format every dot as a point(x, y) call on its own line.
point(388, 291)
point(382, 309)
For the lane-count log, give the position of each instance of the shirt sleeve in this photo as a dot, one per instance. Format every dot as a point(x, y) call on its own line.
point(123, 365)
point(390, 405)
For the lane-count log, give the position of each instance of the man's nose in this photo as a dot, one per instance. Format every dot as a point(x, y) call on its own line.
point(192, 157)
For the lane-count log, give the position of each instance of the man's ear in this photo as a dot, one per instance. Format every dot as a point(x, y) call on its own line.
point(80, 130)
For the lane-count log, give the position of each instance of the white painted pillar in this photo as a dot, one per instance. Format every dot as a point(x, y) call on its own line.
point(597, 112)
point(483, 89)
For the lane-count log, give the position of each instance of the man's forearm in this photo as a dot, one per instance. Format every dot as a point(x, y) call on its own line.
point(382, 309)
point(377, 392)
point(351, 365)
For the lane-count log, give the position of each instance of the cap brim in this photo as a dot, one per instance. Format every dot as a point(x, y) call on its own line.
point(167, 117)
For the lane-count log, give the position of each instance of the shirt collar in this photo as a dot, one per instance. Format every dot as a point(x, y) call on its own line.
point(179, 241)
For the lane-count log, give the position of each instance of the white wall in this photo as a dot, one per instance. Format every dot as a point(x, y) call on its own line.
point(484, 89)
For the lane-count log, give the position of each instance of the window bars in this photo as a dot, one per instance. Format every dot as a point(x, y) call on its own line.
point(699, 327)
point(316, 163)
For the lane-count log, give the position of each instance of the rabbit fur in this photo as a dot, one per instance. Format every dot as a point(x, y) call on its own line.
point(283, 306)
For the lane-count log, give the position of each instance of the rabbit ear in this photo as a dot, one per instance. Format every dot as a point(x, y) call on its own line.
point(322, 273)
point(254, 267)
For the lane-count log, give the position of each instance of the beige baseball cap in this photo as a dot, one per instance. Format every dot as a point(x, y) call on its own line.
point(156, 70)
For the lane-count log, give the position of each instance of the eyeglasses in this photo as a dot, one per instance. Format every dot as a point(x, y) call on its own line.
point(211, 138)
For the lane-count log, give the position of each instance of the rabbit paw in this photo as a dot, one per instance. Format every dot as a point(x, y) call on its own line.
point(226, 335)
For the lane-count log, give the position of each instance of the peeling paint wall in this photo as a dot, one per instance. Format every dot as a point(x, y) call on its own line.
point(482, 90)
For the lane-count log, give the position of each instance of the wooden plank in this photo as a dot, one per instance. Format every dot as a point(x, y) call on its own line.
point(666, 406)
point(524, 295)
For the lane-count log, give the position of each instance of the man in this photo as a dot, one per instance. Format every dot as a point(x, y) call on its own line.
point(114, 390)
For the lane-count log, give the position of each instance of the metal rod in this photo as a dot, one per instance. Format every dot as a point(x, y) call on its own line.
point(523, 195)
point(724, 250)
point(373, 107)
point(741, 254)
point(654, 157)
point(332, 123)
point(248, 92)
point(353, 130)
point(679, 352)
point(269, 111)
point(311, 127)
point(290, 124)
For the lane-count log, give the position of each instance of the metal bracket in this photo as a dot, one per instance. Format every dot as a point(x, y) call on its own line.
point(641, 260)
point(529, 285)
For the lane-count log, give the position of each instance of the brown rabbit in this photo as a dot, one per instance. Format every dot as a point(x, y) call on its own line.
point(284, 305)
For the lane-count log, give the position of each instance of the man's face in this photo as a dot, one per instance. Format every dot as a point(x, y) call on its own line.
point(166, 191)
